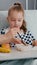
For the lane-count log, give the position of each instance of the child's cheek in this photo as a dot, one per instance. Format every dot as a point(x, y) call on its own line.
point(12, 24)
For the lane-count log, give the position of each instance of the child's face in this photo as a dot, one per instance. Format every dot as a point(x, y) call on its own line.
point(15, 19)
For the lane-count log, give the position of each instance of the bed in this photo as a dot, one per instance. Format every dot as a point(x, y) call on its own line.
point(28, 56)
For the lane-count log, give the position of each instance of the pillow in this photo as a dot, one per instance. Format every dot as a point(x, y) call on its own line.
point(3, 21)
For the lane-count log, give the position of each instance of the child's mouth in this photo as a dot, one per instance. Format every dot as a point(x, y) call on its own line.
point(16, 26)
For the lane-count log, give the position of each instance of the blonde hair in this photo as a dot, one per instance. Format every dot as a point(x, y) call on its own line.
point(18, 7)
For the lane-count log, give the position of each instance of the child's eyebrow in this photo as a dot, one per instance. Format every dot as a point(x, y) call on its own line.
point(19, 18)
point(15, 18)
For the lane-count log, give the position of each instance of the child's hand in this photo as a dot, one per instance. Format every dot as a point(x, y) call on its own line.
point(14, 31)
point(34, 43)
point(9, 37)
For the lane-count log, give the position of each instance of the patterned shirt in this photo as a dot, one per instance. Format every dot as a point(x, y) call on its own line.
point(25, 37)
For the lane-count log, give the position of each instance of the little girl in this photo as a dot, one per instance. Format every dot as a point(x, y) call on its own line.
point(17, 32)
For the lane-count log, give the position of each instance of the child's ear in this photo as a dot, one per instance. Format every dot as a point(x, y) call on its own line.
point(7, 18)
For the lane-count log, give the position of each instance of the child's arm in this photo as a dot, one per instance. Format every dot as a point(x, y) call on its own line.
point(34, 43)
point(7, 38)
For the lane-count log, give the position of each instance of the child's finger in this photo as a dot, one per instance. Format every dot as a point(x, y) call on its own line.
point(18, 41)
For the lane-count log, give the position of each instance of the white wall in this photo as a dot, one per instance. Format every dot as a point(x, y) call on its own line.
point(5, 4)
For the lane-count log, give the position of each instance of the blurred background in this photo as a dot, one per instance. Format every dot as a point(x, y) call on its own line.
point(27, 4)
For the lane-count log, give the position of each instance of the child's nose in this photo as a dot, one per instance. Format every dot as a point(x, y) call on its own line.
point(16, 22)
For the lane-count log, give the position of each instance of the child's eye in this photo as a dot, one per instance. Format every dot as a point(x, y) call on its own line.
point(12, 20)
